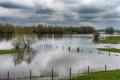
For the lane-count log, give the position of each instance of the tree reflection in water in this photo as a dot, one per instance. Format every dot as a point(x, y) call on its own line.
point(25, 52)
point(24, 55)
point(6, 36)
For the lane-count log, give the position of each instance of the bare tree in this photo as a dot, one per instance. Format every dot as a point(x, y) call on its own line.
point(96, 36)
point(23, 41)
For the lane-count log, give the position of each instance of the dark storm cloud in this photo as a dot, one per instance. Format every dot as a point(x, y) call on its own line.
point(91, 10)
point(113, 15)
point(45, 11)
point(88, 10)
point(88, 16)
point(11, 5)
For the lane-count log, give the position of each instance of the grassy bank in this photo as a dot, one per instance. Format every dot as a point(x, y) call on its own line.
point(109, 75)
point(112, 39)
point(7, 51)
point(109, 50)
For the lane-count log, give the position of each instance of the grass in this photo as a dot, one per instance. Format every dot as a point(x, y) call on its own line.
point(109, 50)
point(7, 51)
point(109, 75)
point(112, 39)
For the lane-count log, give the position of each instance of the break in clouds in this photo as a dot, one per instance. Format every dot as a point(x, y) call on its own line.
point(100, 13)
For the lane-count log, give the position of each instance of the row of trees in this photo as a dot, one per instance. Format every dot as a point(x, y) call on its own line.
point(40, 29)
point(6, 28)
point(9, 28)
point(109, 30)
point(45, 29)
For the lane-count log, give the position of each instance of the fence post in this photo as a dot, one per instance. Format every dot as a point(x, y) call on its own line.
point(78, 50)
point(88, 69)
point(8, 75)
point(52, 74)
point(30, 74)
point(109, 53)
point(90, 51)
point(105, 68)
point(69, 48)
point(70, 73)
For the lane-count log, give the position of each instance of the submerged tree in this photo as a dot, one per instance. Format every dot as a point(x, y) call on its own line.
point(96, 36)
point(23, 41)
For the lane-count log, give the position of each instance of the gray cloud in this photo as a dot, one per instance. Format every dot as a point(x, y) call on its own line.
point(88, 10)
point(112, 15)
point(66, 1)
point(45, 11)
point(4, 18)
point(12, 5)
point(65, 12)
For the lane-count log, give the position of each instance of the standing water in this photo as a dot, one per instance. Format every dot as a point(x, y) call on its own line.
point(57, 52)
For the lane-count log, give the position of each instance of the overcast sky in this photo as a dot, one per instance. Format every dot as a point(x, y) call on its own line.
point(98, 13)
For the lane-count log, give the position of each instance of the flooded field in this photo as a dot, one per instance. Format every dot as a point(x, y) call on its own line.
point(57, 52)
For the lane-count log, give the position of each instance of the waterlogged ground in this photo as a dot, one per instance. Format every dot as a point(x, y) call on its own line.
point(59, 53)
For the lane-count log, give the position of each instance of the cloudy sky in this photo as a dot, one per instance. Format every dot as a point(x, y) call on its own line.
point(98, 13)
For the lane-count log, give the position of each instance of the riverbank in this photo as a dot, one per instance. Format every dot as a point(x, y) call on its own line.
point(8, 51)
point(109, 50)
point(111, 40)
point(108, 75)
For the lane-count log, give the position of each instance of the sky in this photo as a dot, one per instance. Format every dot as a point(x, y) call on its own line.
point(97, 13)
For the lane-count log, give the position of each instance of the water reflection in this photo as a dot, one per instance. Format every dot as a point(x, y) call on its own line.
point(58, 52)
point(25, 52)
point(55, 37)
point(24, 55)
point(6, 36)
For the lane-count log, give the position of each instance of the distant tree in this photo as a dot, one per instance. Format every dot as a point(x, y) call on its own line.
point(96, 36)
point(45, 29)
point(109, 30)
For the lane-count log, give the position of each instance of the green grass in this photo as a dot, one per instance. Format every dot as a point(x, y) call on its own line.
point(112, 39)
point(7, 51)
point(109, 50)
point(109, 75)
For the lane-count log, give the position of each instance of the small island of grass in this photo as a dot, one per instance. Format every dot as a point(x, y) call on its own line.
point(108, 75)
point(111, 40)
point(8, 51)
point(109, 50)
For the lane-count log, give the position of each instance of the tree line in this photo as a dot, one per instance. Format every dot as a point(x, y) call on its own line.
point(109, 30)
point(46, 29)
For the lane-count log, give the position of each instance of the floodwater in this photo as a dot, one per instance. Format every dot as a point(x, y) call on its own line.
point(59, 52)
